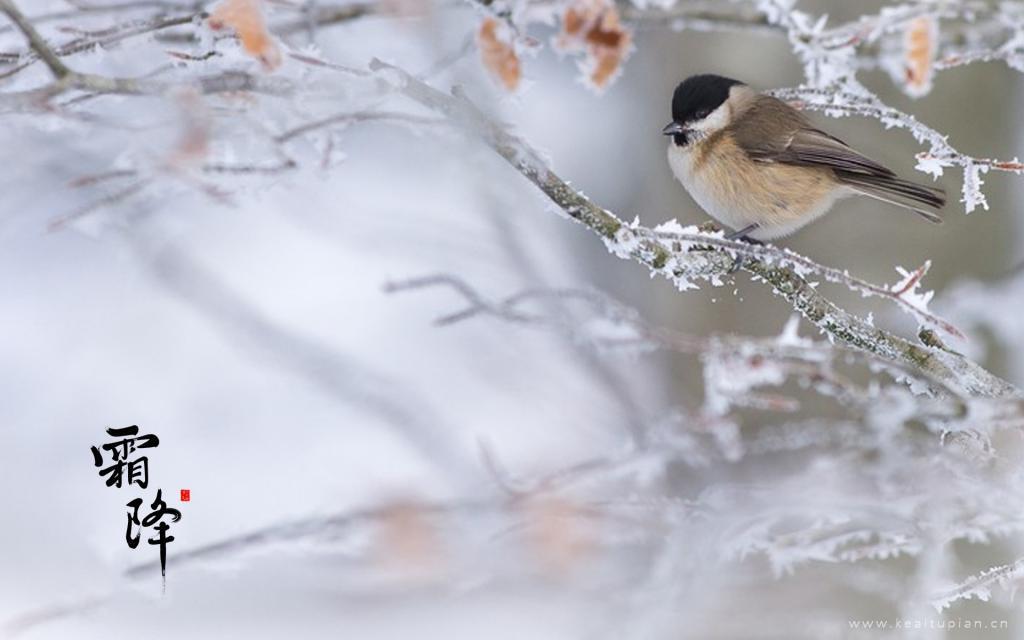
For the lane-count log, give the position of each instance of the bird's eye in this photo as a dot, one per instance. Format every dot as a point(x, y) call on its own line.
point(701, 114)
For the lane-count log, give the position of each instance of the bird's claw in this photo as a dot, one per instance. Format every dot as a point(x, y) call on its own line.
point(742, 235)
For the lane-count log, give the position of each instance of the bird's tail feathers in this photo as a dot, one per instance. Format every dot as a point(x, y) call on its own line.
point(920, 199)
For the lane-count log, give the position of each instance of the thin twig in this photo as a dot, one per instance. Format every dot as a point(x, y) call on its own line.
point(646, 336)
point(844, 104)
point(354, 116)
point(36, 41)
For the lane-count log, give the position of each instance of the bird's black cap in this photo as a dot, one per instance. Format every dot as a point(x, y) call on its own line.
point(700, 94)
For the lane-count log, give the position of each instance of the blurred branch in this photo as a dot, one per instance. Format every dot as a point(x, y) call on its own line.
point(558, 318)
point(67, 80)
point(226, 82)
point(101, 38)
point(283, 163)
point(320, 16)
point(357, 385)
point(88, 9)
point(354, 116)
point(327, 526)
point(613, 325)
point(107, 200)
point(107, 37)
point(1011, 52)
point(681, 261)
point(35, 40)
point(644, 518)
point(699, 16)
point(506, 308)
point(812, 362)
point(325, 16)
point(31, 619)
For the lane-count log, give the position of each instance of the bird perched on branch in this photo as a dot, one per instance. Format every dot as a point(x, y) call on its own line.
point(759, 166)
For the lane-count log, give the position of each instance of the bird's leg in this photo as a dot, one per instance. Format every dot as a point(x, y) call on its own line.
point(743, 234)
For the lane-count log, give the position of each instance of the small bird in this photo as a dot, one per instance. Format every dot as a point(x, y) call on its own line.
point(759, 166)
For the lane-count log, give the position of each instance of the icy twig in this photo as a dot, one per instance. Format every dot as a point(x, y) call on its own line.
point(803, 265)
point(980, 586)
point(226, 82)
point(613, 326)
point(699, 16)
point(102, 38)
point(322, 16)
point(354, 116)
point(67, 79)
point(837, 104)
point(35, 40)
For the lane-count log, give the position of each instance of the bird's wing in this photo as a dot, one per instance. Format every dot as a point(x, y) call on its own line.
point(772, 131)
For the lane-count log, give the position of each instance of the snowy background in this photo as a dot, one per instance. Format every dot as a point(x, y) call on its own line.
point(359, 469)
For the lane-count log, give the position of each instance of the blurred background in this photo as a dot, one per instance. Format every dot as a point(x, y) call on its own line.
point(251, 327)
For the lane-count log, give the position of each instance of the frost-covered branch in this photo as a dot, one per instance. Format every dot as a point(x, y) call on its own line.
point(316, 16)
point(830, 61)
point(980, 586)
point(90, 41)
point(35, 40)
point(940, 153)
point(686, 258)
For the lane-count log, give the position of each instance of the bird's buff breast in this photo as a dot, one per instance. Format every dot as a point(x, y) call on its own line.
point(738, 192)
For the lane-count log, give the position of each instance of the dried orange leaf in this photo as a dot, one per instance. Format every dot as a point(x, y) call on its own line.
point(560, 532)
point(919, 45)
point(194, 143)
point(497, 54)
point(246, 18)
point(409, 540)
point(594, 28)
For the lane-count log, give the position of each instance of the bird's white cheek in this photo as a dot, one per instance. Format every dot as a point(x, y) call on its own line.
point(713, 121)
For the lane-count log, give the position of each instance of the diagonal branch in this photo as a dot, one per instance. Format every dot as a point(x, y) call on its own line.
point(682, 261)
point(980, 586)
point(58, 68)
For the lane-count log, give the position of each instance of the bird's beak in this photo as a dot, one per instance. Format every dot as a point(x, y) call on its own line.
point(673, 129)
